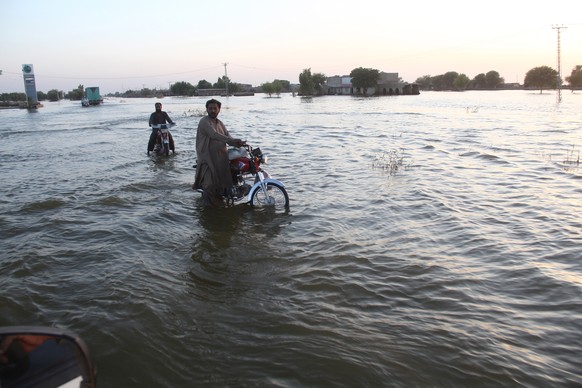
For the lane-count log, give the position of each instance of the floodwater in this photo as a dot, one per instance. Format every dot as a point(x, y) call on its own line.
point(431, 240)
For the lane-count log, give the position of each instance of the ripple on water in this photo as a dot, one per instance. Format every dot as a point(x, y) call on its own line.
point(461, 269)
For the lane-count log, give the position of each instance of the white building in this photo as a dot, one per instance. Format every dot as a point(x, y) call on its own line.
point(388, 84)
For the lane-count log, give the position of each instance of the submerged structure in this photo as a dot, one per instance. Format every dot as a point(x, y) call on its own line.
point(388, 84)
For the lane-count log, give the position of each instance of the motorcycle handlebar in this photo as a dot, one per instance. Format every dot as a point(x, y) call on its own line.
point(163, 126)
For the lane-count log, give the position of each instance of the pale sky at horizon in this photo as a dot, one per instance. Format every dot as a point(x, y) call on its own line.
point(131, 44)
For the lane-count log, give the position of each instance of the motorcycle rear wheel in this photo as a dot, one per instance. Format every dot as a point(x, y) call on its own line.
point(275, 197)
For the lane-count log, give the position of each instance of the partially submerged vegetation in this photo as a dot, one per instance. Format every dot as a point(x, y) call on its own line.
point(391, 161)
point(570, 162)
point(572, 157)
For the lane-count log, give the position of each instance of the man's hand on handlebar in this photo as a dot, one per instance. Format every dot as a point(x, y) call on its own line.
point(239, 143)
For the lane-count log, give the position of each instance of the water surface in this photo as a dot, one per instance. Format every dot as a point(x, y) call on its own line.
point(432, 240)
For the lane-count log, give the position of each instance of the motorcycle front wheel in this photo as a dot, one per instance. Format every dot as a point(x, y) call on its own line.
point(276, 196)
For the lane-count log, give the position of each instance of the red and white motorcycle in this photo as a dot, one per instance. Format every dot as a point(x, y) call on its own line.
point(253, 184)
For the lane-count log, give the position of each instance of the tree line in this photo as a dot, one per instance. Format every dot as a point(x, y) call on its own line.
point(181, 88)
point(454, 81)
point(542, 77)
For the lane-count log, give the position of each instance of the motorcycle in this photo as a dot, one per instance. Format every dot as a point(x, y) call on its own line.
point(253, 184)
point(164, 141)
point(32, 356)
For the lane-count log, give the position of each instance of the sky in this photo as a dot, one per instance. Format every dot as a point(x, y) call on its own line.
point(133, 44)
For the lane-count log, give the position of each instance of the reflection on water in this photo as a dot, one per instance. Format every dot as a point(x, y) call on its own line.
point(431, 240)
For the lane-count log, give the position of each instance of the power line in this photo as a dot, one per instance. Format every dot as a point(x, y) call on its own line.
point(119, 77)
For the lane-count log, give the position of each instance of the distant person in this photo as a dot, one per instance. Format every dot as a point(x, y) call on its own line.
point(213, 173)
point(159, 117)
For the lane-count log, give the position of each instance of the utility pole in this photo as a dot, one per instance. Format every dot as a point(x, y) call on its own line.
point(226, 78)
point(559, 76)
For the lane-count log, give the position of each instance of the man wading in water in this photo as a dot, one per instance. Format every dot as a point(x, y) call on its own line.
point(213, 174)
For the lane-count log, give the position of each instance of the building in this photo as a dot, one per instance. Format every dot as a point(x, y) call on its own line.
point(389, 84)
point(339, 85)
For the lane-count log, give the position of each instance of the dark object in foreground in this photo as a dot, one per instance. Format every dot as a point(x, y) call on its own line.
point(32, 356)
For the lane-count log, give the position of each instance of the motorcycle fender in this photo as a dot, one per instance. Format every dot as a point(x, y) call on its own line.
point(257, 186)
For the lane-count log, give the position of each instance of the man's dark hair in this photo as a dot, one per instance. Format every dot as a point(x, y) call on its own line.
point(213, 101)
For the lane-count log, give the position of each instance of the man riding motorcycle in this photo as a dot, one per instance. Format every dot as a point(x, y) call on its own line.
point(159, 117)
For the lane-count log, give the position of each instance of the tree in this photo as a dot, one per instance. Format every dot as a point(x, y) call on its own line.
point(364, 78)
point(14, 96)
point(424, 82)
point(183, 88)
point(272, 87)
point(268, 88)
point(541, 77)
point(76, 94)
point(306, 85)
point(461, 82)
point(319, 79)
point(454, 81)
point(479, 82)
point(53, 95)
point(234, 87)
point(493, 80)
point(448, 80)
point(575, 77)
point(221, 82)
point(445, 81)
point(203, 84)
point(285, 85)
point(436, 82)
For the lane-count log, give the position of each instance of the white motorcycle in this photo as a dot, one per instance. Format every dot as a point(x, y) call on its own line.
point(252, 184)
